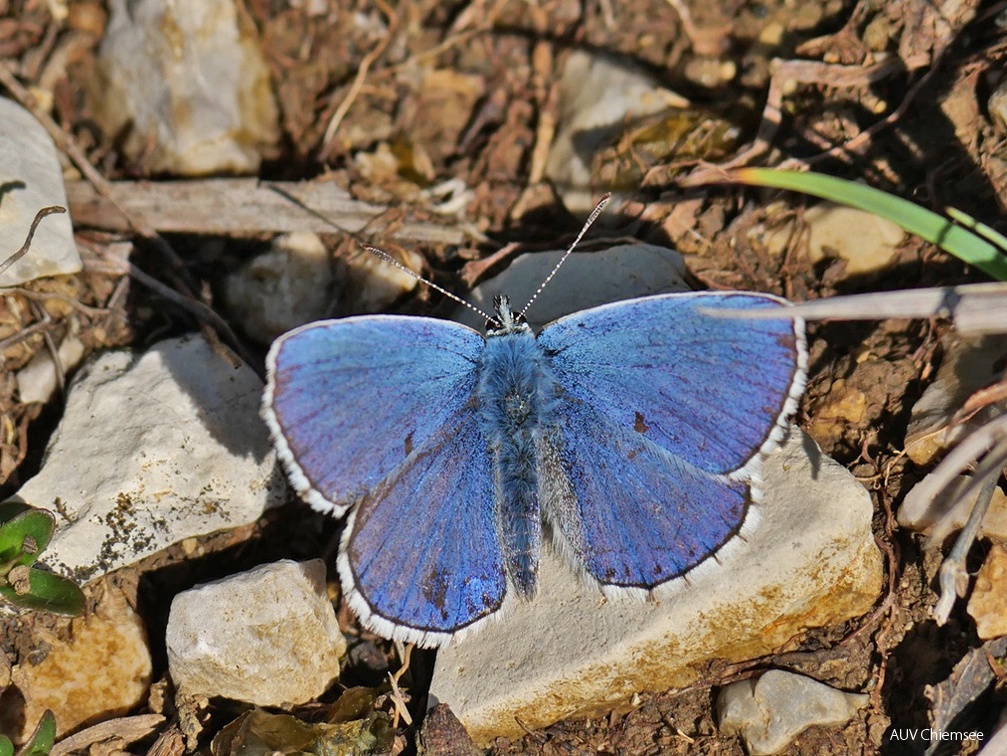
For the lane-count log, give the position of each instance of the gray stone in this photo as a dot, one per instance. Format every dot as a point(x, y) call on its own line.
point(190, 85)
point(296, 281)
point(372, 284)
point(920, 511)
point(31, 179)
point(828, 225)
point(586, 279)
point(268, 637)
point(969, 363)
point(153, 448)
point(771, 711)
point(37, 380)
point(285, 287)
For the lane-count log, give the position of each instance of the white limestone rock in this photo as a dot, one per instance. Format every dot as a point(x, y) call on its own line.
point(153, 448)
point(190, 84)
point(586, 279)
point(598, 94)
point(771, 711)
point(268, 637)
point(871, 249)
point(286, 286)
point(31, 179)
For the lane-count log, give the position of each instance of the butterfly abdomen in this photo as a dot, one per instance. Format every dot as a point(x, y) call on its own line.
point(516, 397)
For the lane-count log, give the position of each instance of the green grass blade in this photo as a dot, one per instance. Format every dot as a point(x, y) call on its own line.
point(964, 244)
point(964, 219)
point(43, 739)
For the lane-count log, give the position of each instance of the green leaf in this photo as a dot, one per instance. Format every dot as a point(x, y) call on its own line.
point(47, 592)
point(42, 740)
point(964, 244)
point(24, 535)
point(6, 747)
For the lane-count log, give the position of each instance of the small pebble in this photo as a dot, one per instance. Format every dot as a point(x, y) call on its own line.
point(771, 711)
point(267, 637)
point(988, 603)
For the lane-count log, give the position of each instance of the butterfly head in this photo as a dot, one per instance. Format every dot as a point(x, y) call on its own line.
point(505, 320)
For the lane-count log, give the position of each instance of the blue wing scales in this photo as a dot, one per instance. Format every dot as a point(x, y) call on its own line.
point(630, 513)
point(348, 400)
point(421, 558)
point(710, 390)
point(663, 416)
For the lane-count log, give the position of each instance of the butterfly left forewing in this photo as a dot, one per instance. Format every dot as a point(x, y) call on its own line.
point(347, 400)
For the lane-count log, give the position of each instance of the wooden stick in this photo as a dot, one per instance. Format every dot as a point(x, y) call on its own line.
point(240, 207)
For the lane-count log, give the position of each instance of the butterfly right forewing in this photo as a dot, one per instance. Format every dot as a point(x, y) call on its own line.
point(664, 414)
point(715, 391)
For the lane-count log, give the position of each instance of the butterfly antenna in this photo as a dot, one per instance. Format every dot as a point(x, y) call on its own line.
point(587, 224)
point(392, 261)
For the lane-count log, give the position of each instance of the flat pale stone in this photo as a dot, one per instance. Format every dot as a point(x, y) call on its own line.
point(587, 279)
point(104, 671)
point(153, 448)
point(31, 179)
point(37, 381)
point(371, 284)
point(988, 602)
point(920, 511)
point(188, 83)
point(770, 711)
point(268, 636)
point(286, 286)
point(810, 562)
point(870, 249)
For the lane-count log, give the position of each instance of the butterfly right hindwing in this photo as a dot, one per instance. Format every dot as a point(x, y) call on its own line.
point(421, 558)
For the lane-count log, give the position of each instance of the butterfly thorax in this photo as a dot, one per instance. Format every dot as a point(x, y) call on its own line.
point(516, 396)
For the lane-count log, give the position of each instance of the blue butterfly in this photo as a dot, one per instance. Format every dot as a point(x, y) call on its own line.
point(631, 433)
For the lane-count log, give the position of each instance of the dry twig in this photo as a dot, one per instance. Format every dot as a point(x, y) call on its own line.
point(45, 211)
